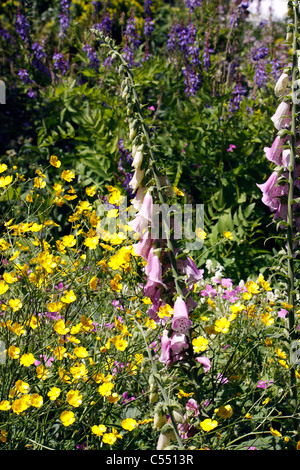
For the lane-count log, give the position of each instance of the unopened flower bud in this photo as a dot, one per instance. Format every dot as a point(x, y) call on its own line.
point(281, 84)
point(159, 420)
point(153, 397)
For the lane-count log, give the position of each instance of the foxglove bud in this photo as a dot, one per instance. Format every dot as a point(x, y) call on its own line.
point(153, 397)
point(281, 84)
point(159, 420)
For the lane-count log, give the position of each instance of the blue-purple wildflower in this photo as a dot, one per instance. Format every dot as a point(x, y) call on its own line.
point(60, 63)
point(24, 76)
point(237, 97)
point(22, 26)
point(92, 56)
point(64, 18)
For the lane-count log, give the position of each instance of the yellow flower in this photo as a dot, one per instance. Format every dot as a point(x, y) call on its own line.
point(252, 287)
point(80, 351)
point(69, 241)
point(69, 297)
point(67, 418)
point(27, 360)
point(54, 393)
point(15, 304)
point(54, 306)
point(5, 405)
point(120, 343)
point(222, 325)
point(42, 372)
point(3, 167)
point(10, 278)
point(165, 311)
point(68, 175)
point(109, 438)
point(227, 235)
point(54, 161)
point(90, 191)
point(267, 319)
point(36, 400)
point(208, 424)
point(105, 389)
point(3, 287)
point(129, 424)
point(60, 327)
point(178, 191)
point(22, 387)
point(199, 344)
point(280, 353)
point(200, 233)
point(182, 394)
point(21, 404)
point(13, 352)
point(225, 411)
point(74, 398)
point(99, 430)
point(113, 398)
point(91, 242)
point(115, 284)
point(5, 181)
point(39, 182)
point(93, 282)
point(274, 432)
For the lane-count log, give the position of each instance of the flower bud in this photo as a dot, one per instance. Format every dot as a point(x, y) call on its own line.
point(281, 84)
point(159, 420)
point(153, 397)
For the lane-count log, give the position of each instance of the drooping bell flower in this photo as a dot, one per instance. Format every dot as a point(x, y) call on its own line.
point(189, 269)
point(273, 154)
point(180, 321)
point(137, 201)
point(142, 219)
point(282, 116)
point(271, 191)
point(205, 362)
point(143, 247)
point(165, 348)
point(178, 346)
point(153, 269)
point(137, 179)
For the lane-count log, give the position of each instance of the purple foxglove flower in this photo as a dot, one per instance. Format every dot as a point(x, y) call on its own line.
point(271, 192)
point(205, 362)
point(193, 406)
point(137, 202)
point(143, 247)
point(180, 321)
point(179, 343)
point(282, 116)
point(273, 154)
point(153, 268)
point(188, 267)
point(165, 348)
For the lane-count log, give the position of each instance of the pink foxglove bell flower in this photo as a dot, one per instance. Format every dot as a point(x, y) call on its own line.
point(205, 362)
point(188, 267)
point(165, 348)
point(153, 268)
point(273, 154)
point(281, 84)
point(179, 344)
point(282, 116)
point(271, 192)
point(143, 247)
point(181, 322)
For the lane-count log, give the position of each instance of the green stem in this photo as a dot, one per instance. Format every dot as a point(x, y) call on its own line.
point(290, 232)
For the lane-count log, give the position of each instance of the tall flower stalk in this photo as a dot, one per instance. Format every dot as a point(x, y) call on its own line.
point(280, 189)
point(170, 273)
